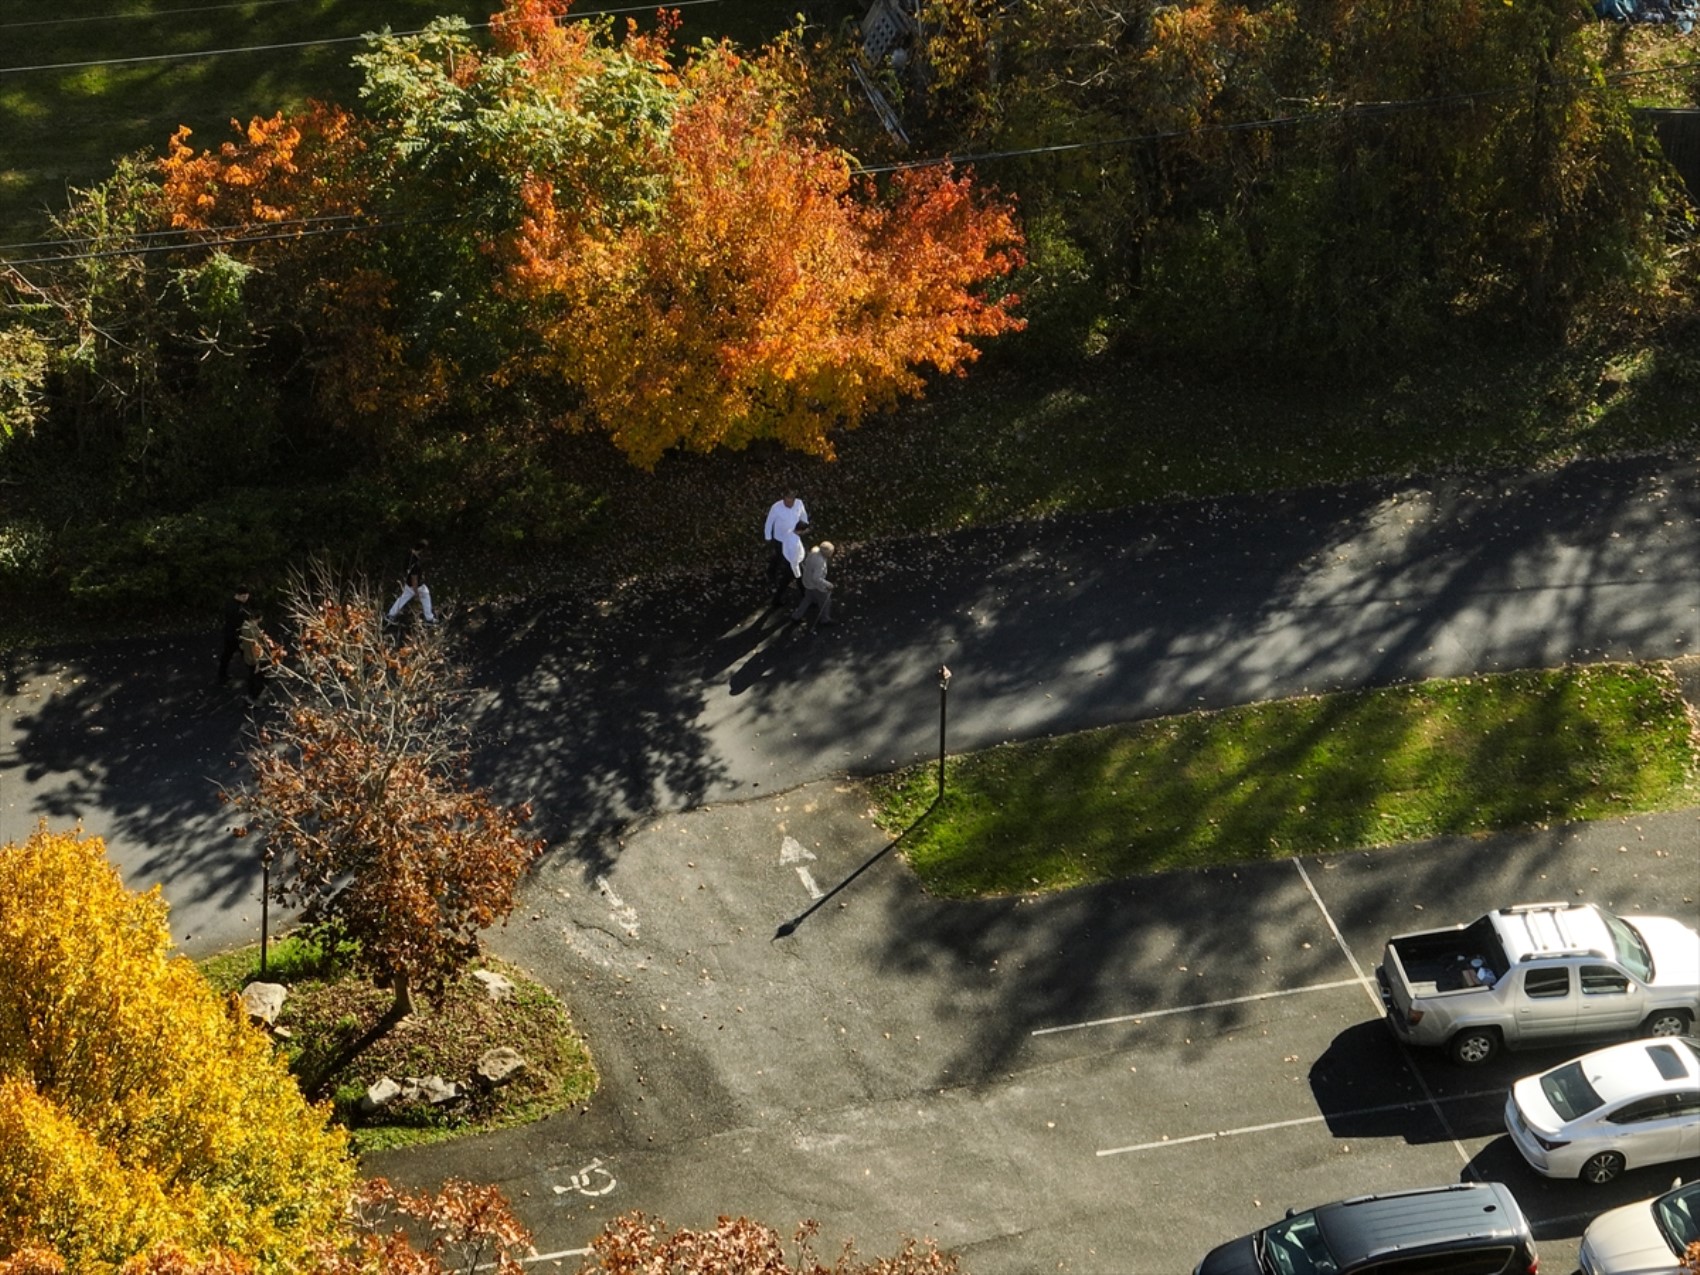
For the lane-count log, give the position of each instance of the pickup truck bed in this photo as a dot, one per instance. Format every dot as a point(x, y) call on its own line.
point(1435, 962)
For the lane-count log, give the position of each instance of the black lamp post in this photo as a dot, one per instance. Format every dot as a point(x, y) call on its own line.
point(790, 927)
point(944, 693)
point(265, 905)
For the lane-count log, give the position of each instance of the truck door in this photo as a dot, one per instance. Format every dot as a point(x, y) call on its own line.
point(1546, 1004)
point(1611, 1002)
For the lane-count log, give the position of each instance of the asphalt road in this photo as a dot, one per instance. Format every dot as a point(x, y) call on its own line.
point(668, 694)
point(1110, 1080)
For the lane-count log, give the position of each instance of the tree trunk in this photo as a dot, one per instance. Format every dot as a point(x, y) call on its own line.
point(402, 1006)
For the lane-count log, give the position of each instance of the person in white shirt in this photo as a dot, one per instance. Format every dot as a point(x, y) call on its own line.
point(787, 516)
point(790, 567)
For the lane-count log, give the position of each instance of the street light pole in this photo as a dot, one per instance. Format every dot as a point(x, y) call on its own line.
point(265, 905)
point(944, 692)
point(790, 927)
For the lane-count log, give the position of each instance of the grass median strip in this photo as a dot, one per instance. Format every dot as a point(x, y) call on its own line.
point(1301, 776)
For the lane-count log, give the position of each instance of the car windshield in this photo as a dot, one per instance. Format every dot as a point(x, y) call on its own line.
point(1632, 950)
point(1569, 1092)
point(1678, 1216)
point(1295, 1247)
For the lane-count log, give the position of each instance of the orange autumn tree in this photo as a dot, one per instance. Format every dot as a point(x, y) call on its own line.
point(654, 244)
point(281, 171)
point(763, 292)
point(295, 196)
point(359, 785)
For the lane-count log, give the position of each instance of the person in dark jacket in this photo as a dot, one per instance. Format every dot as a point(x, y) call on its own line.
point(235, 615)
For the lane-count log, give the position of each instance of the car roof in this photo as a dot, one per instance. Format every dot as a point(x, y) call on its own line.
point(1638, 1068)
point(1552, 928)
point(1412, 1220)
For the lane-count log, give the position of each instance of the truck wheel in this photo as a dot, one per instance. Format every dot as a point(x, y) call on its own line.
point(1602, 1168)
point(1667, 1022)
point(1473, 1046)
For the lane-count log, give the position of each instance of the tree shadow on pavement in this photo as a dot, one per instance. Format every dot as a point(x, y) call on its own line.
point(133, 738)
point(1108, 618)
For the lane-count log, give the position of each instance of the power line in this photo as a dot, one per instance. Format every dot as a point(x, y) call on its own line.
point(234, 242)
point(182, 232)
point(153, 13)
point(309, 44)
point(311, 225)
point(1354, 109)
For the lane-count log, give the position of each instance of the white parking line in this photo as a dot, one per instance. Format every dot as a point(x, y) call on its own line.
point(1428, 1099)
point(1188, 1009)
point(1369, 989)
point(1374, 995)
point(556, 1256)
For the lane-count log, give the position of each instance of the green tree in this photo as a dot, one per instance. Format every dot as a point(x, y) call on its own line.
point(1315, 178)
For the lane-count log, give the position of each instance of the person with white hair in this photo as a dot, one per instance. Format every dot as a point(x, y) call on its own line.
point(817, 589)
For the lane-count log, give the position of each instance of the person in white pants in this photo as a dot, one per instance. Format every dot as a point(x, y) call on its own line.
point(414, 585)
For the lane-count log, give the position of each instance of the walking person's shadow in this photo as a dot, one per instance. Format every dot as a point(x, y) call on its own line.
point(769, 657)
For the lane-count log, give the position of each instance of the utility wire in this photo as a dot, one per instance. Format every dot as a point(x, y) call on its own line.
point(183, 231)
point(154, 13)
point(310, 44)
point(312, 228)
point(238, 241)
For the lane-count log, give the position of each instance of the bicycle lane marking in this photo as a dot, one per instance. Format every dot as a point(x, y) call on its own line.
point(1375, 1000)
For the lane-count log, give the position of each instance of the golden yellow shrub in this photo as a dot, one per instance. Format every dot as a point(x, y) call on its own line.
point(137, 1109)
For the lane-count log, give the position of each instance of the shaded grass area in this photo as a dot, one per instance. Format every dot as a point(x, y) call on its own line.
point(339, 1043)
point(1301, 776)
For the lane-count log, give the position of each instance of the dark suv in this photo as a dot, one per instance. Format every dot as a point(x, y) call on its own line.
point(1470, 1228)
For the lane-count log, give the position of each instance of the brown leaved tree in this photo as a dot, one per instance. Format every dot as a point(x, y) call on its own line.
point(360, 788)
point(635, 1244)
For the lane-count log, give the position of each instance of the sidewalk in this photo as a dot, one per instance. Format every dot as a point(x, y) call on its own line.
point(679, 693)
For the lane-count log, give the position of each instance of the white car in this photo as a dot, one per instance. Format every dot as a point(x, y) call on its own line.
point(1611, 1110)
point(1645, 1238)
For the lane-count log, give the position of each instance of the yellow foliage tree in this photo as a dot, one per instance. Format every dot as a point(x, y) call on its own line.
point(137, 1110)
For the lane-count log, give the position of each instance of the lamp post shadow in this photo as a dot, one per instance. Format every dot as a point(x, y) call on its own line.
point(790, 927)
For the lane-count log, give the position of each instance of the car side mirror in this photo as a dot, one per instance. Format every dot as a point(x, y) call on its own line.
point(1292, 1212)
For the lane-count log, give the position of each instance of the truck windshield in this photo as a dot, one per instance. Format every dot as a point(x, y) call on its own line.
point(1295, 1247)
point(1569, 1092)
point(1632, 950)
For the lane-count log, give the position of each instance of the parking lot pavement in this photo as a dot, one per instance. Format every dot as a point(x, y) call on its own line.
point(1112, 1079)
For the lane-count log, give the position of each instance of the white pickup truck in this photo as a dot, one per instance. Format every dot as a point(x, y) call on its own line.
point(1540, 974)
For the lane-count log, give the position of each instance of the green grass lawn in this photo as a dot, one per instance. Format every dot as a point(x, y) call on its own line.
point(1301, 776)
